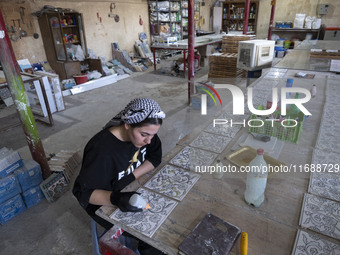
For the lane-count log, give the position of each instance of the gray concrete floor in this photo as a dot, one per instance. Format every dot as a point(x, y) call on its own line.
point(63, 227)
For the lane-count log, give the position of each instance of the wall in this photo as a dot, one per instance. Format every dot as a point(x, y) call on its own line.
point(285, 10)
point(99, 36)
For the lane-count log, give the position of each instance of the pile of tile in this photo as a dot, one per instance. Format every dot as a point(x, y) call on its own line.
point(63, 166)
point(225, 66)
point(19, 184)
point(230, 42)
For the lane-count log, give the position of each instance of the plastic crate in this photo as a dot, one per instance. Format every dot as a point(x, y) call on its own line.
point(275, 128)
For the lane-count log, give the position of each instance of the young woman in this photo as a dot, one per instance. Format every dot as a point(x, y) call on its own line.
point(124, 150)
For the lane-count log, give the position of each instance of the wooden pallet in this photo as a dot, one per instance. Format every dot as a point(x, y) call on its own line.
point(325, 54)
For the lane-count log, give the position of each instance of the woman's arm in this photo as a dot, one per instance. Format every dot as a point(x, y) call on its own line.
point(147, 166)
point(100, 197)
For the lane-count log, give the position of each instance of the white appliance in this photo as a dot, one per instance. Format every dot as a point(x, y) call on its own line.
point(255, 54)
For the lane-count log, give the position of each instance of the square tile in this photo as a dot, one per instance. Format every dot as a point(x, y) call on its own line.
point(190, 158)
point(307, 244)
point(330, 159)
point(211, 142)
point(321, 215)
point(228, 129)
point(325, 185)
point(172, 182)
point(148, 221)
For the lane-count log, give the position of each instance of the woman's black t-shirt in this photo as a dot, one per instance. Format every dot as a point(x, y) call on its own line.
point(108, 164)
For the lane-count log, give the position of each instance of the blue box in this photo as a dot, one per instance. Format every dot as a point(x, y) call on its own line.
point(9, 161)
point(11, 208)
point(32, 196)
point(29, 175)
point(9, 187)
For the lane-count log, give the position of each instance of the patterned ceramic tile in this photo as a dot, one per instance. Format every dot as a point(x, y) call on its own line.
point(189, 158)
point(308, 244)
point(227, 130)
point(325, 185)
point(148, 221)
point(211, 142)
point(326, 158)
point(172, 182)
point(321, 215)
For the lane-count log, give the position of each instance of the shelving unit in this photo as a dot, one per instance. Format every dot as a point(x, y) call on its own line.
point(299, 33)
point(184, 8)
point(170, 19)
point(62, 32)
point(233, 14)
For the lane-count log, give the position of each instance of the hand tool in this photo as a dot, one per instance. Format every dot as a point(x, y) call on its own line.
point(244, 243)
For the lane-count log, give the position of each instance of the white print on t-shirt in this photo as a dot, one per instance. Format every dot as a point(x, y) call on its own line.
point(131, 168)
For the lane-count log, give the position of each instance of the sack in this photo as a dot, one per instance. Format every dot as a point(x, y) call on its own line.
point(316, 24)
point(299, 20)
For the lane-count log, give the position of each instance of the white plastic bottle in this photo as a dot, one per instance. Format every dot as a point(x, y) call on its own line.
point(218, 174)
point(137, 201)
point(256, 180)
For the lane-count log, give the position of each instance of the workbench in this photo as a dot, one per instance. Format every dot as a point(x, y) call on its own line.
point(182, 45)
point(273, 226)
point(300, 57)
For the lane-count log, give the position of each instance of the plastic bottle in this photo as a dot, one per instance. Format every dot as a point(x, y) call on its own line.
point(137, 201)
point(218, 170)
point(256, 180)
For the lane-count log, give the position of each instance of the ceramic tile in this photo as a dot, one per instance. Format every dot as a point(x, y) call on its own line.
point(148, 221)
point(227, 130)
point(211, 142)
point(189, 158)
point(325, 185)
point(308, 243)
point(321, 215)
point(172, 182)
point(326, 158)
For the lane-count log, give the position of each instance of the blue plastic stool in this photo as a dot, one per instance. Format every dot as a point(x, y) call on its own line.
point(95, 238)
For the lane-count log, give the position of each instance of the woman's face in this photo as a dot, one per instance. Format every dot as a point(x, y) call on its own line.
point(141, 136)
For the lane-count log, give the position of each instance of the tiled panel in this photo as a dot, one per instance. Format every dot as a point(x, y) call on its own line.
point(172, 182)
point(308, 244)
point(148, 221)
point(189, 158)
point(321, 215)
point(325, 185)
point(211, 142)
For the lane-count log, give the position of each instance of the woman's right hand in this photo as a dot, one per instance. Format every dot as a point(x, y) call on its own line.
point(121, 199)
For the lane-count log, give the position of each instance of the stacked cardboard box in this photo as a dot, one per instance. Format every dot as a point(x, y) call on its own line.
point(30, 177)
point(19, 184)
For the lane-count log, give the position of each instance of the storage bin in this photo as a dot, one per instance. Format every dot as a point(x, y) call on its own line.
point(80, 79)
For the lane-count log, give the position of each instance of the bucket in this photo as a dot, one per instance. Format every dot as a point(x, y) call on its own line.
point(279, 42)
point(286, 44)
point(80, 78)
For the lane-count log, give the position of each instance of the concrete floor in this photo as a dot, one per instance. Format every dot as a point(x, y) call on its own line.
point(63, 227)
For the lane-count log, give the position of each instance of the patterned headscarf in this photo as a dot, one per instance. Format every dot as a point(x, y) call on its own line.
point(137, 111)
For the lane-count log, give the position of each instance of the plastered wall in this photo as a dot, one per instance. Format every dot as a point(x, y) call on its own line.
point(99, 35)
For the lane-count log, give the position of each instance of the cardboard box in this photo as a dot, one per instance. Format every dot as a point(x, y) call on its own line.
point(32, 196)
point(11, 208)
point(29, 175)
point(9, 161)
point(9, 187)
